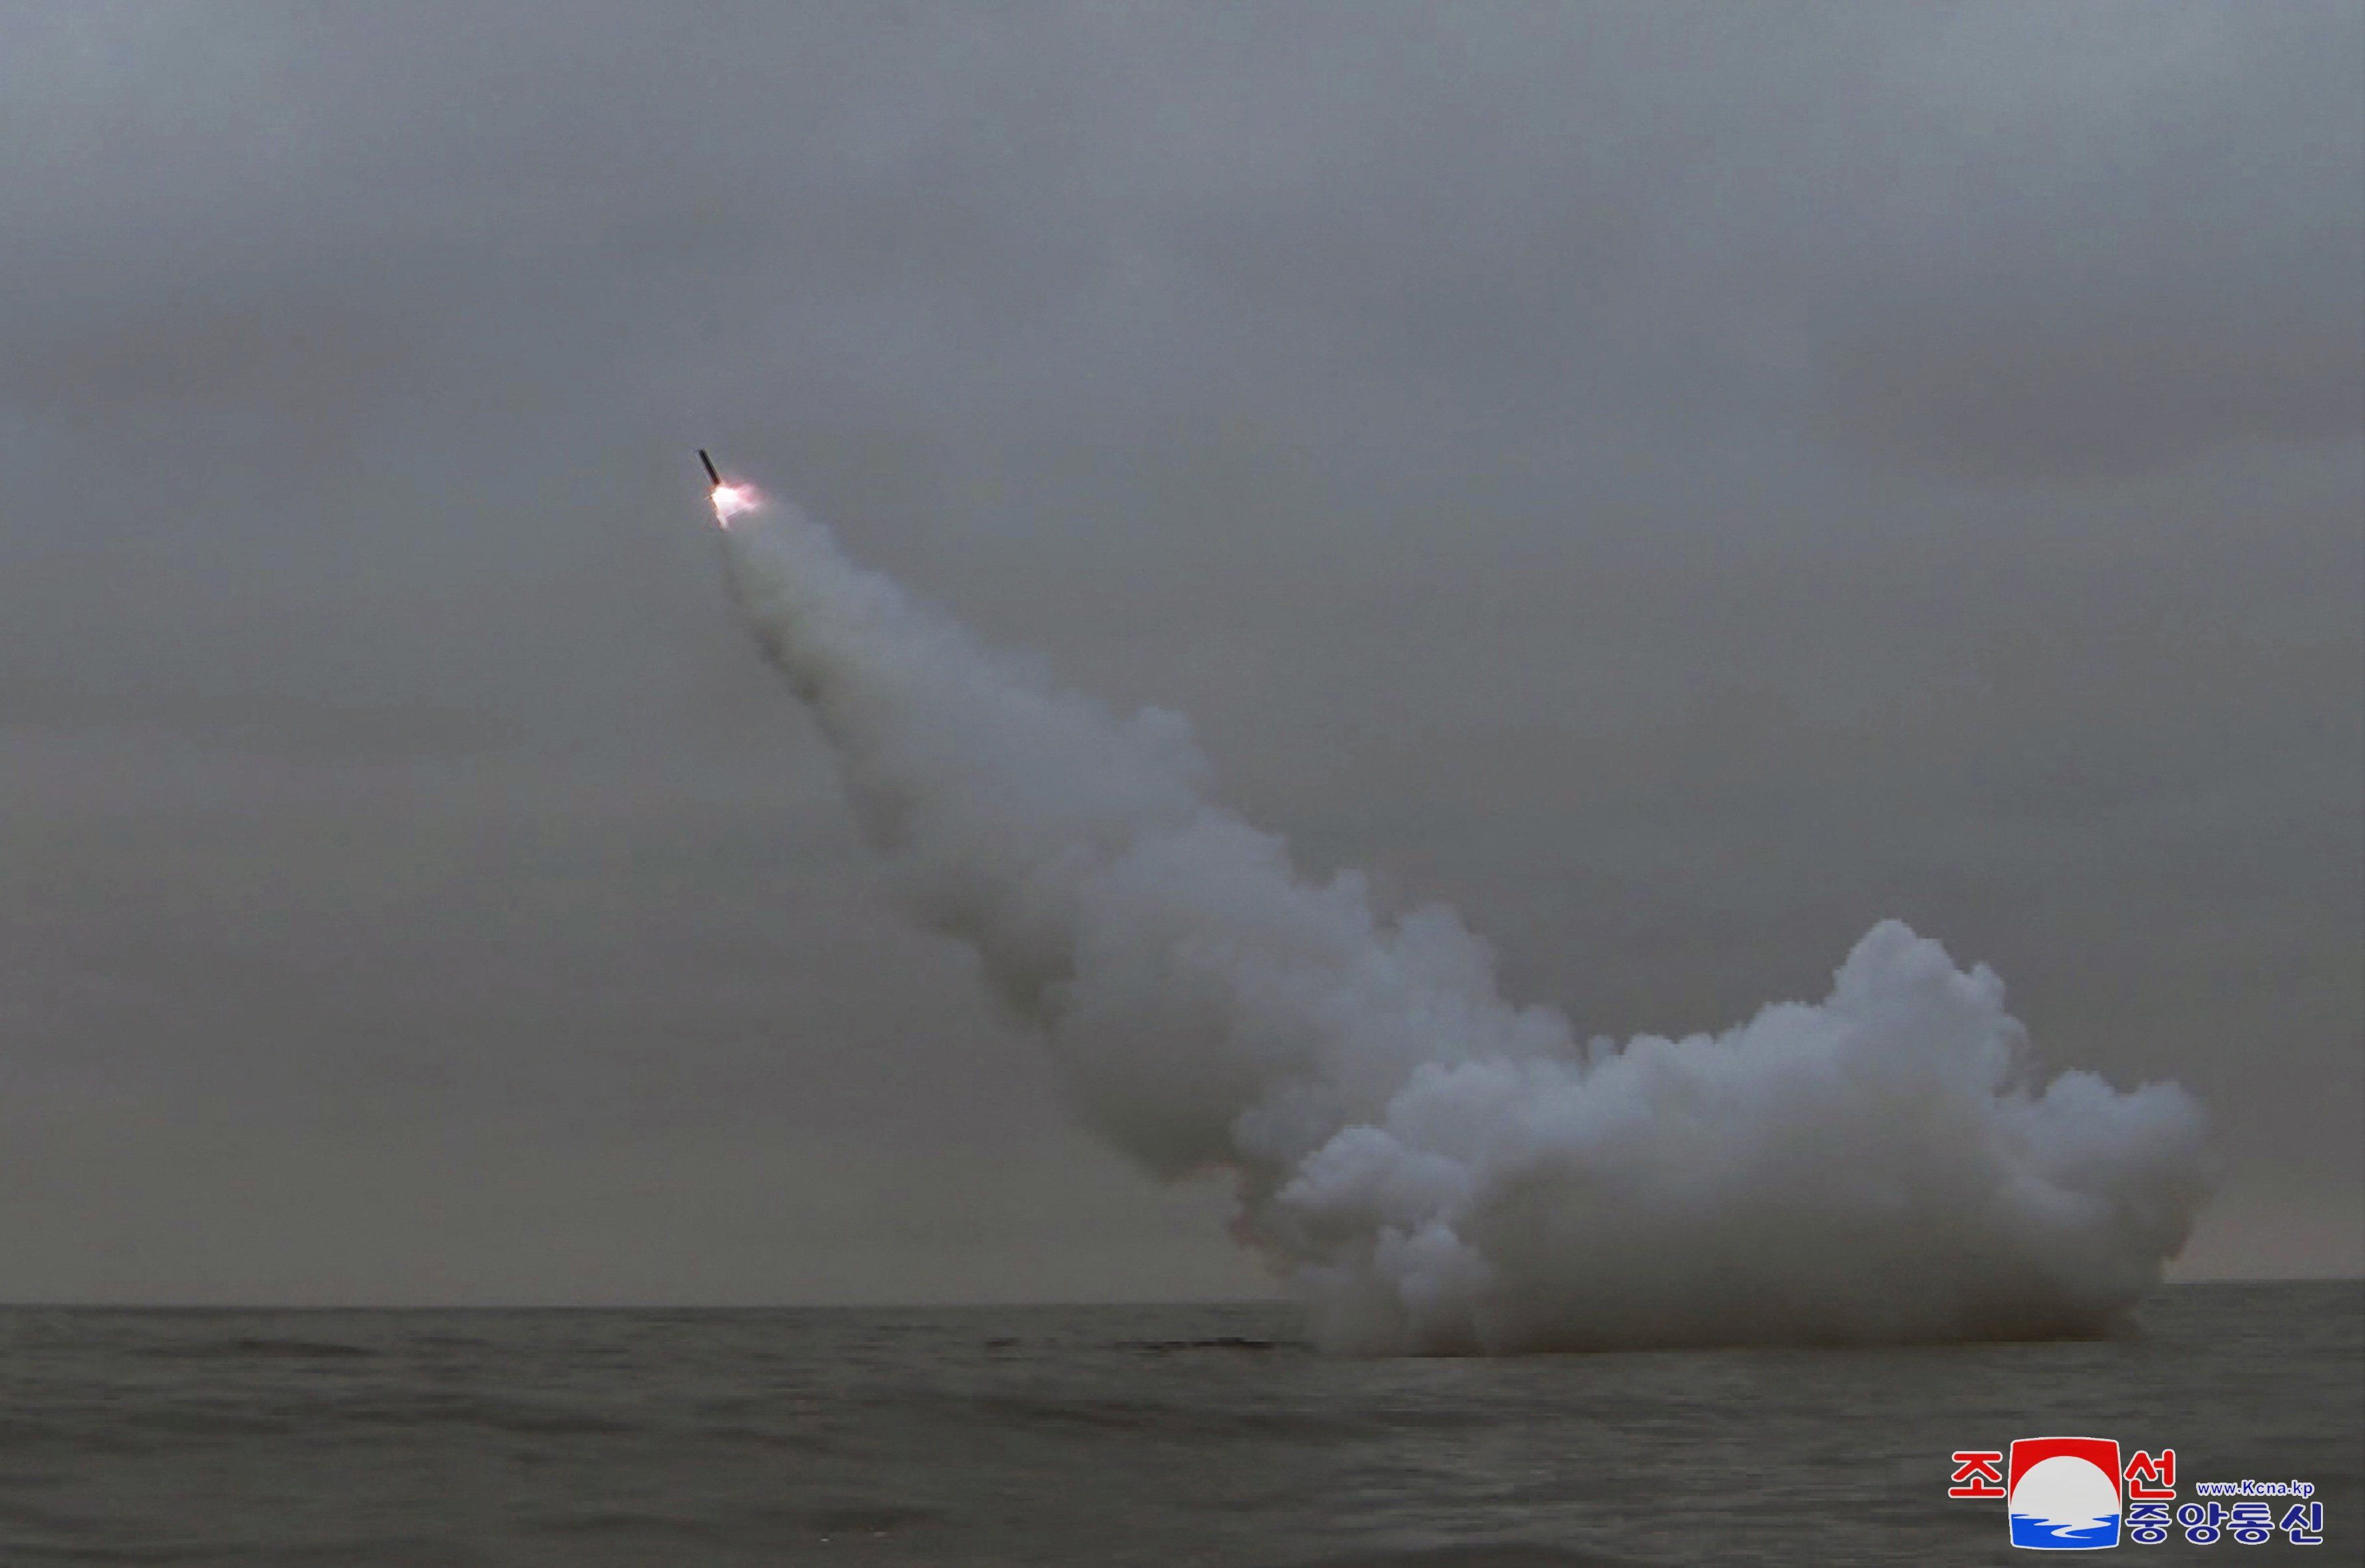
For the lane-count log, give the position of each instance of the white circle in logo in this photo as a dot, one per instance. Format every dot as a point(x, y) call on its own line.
point(2066, 1493)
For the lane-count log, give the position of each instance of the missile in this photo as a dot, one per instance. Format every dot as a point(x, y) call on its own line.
point(710, 468)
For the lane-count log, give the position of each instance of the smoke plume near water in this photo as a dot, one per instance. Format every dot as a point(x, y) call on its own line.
point(1430, 1168)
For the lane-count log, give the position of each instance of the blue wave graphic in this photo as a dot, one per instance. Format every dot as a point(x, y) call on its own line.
point(2065, 1535)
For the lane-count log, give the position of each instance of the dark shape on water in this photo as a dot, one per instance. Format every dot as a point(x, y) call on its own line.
point(256, 1345)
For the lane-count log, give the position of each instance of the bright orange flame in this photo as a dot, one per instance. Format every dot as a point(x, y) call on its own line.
point(730, 500)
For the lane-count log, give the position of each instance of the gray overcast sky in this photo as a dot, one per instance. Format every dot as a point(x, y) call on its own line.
point(1680, 482)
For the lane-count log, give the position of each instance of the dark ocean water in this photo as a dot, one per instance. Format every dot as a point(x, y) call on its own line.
point(1099, 1436)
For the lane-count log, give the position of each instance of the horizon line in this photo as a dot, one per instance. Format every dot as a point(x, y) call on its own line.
point(168, 1305)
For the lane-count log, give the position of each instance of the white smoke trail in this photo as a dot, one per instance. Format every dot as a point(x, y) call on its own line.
point(1431, 1168)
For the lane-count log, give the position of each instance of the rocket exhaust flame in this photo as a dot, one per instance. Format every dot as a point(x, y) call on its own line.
point(729, 501)
point(734, 500)
point(1430, 1168)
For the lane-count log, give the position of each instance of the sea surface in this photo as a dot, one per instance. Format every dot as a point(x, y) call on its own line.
point(1150, 1435)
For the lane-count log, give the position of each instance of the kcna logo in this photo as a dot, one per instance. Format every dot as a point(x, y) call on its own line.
point(2063, 1492)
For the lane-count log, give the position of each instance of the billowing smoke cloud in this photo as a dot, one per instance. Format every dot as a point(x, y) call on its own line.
point(1433, 1169)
